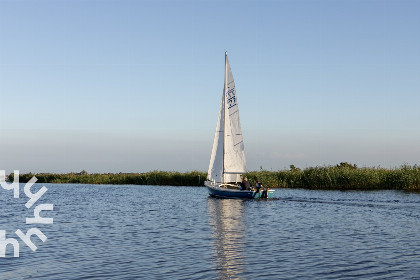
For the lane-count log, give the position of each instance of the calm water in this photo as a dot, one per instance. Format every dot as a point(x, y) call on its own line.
point(141, 232)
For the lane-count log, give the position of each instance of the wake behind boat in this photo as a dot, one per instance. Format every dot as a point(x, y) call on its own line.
point(227, 161)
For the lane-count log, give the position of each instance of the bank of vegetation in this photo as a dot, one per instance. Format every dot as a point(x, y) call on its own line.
point(194, 178)
point(343, 176)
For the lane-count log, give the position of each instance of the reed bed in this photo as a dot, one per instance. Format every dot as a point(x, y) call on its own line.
point(340, 177)
point(194, 178)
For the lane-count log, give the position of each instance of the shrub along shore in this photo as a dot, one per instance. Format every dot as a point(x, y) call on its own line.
point(343, 176)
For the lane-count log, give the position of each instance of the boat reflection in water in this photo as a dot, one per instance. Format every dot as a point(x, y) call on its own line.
point(226, 221)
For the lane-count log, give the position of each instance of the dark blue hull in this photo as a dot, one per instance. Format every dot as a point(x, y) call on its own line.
point(216, 191)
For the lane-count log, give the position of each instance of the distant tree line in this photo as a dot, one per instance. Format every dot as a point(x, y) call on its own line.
point(343, 176)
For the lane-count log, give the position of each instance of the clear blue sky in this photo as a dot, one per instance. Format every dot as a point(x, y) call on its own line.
point(133, 86)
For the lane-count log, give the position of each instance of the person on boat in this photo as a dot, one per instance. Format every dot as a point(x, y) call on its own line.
point(258, 186)
point(245, 186)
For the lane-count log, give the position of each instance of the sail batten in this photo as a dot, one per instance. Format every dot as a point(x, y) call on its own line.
point(228, 156)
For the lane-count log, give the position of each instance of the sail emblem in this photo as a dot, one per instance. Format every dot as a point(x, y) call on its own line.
point(231, 97)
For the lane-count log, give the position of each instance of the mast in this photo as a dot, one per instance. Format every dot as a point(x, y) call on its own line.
point(224, 120)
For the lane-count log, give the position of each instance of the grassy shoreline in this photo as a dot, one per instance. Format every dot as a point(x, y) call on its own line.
point(340, 177)
point(149, 178)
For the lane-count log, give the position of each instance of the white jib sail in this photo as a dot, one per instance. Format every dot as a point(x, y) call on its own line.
point(216, 160)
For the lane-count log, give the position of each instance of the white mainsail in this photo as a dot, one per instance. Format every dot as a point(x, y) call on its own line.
point(227, 160)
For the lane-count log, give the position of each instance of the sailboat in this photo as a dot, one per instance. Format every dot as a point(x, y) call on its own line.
point(227, 161)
